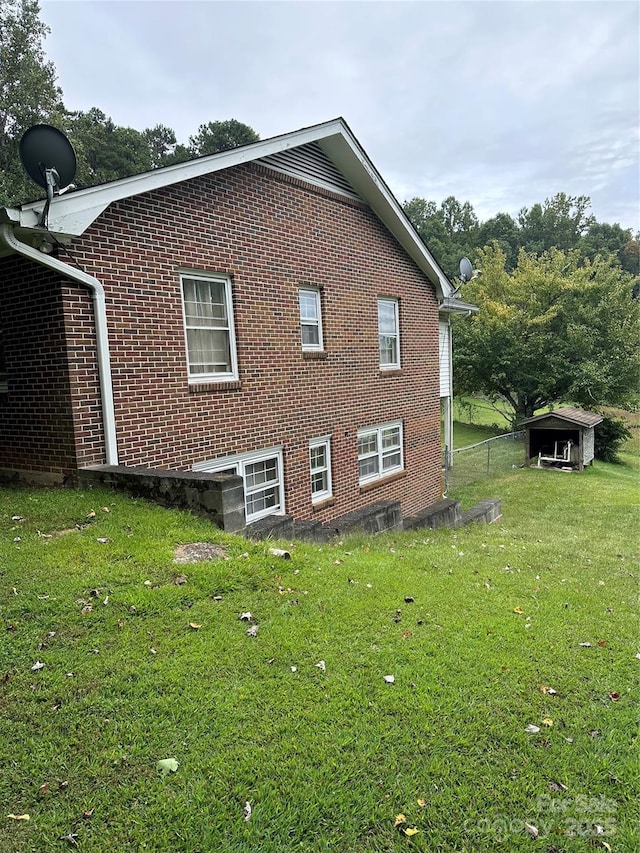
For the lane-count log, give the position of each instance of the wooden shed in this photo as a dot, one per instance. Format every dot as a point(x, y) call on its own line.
point(563, 438)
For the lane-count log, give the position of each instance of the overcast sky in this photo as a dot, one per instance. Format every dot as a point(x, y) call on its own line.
point(502, 104)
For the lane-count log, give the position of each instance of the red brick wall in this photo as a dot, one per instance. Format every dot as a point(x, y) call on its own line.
point(272, 234)
point(36, 424)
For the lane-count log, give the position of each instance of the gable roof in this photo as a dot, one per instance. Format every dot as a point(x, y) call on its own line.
point(569, 414)
point(326, 154)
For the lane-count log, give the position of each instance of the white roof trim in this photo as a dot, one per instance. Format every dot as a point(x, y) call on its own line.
point(71, 214)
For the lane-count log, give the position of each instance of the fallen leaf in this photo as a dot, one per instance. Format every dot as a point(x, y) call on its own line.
point(91, 513)
point(517, 610)
point(586, 645)
point(245, 617)
point(87, 813)
point(554, 785)
point(408, 599)
point(19, 816)
point(179, 580)
point(246, 811)
point(37, 666)
point(548, 690)
point(614, 696)
point(195, 625)
point(532, 830)
point(105, 509)
point(422, 803)
point(153, 651)
point(602, 644)
point(322, 666)
point(390, 679)
point(43, 789)
point(167, 765)
point(103, 540)
point(252, 631)
point(72, 838)
point(411, 831)
point(547, 721)
point(17, 518)
point(532, 730)
point(294, 669)
point(406, 635)
point(400, 819)
point(87, 609)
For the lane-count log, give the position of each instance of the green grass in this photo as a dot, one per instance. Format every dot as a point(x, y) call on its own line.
point(327, 759)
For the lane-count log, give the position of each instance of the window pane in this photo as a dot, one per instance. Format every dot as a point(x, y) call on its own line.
point(259, 473)
point(391, 460)
point(205, 303)
point(263, 500)
point(368, 466)
point(319, 482)
point(388, 350)
point(387, 317)
point(391, 437)
point(209, 351)
point(318, 456)
point(308, 305)
point(310, 335)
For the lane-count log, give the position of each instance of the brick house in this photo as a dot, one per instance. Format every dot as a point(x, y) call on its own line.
point(266, 312)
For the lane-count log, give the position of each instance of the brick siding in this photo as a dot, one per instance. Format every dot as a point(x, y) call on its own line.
point(271, 234)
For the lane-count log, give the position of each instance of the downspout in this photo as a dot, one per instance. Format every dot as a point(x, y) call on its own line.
point(100, 318)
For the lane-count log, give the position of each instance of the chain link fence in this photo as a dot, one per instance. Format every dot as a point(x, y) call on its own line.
point(479, 461)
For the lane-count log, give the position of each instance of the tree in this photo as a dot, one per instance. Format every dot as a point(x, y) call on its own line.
point(554, 330)
point(162, 142)
point(449, 230)
point(28, 91)
point(219, 136)
point(558, 223)
point(105, 151)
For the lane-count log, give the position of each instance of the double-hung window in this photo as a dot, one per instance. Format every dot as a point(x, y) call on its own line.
point(379, 451)
point(388, 333)
point(320, 468)
point(209, 331)
point(310, 319)
point(262, 474)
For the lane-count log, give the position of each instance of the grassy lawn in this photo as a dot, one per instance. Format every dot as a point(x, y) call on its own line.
point(141, 665)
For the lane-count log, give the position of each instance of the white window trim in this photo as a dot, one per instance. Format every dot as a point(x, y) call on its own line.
point(199, 378)
point(391, 365)
point(239, 461)
point(325, 494)
point(319, 347)
point(381, 473)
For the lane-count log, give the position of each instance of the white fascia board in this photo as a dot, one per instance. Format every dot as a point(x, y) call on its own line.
point(72, 214)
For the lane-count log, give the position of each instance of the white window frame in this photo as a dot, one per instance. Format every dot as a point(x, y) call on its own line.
point(394, 335)
point(238, 464)
point(321, 494)
point(378, 453)
point(315, 322)
point(215, 376)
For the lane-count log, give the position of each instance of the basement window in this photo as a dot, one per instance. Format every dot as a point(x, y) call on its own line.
point(379, 451)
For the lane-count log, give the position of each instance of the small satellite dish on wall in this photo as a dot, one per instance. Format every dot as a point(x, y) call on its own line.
point(49, 160)
point(466, 270)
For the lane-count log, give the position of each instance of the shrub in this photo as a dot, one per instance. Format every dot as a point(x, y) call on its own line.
point(610, 435)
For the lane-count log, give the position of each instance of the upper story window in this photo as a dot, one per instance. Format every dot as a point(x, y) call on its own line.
point(388, 333)
point(310, 319)
point(209, 331)
point(320, 468)
point(379, 451)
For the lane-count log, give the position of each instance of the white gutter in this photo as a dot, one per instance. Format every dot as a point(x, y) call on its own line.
point(8, 237)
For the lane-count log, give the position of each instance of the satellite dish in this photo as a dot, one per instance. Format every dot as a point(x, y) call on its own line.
point(49, 160)
point(466, 270)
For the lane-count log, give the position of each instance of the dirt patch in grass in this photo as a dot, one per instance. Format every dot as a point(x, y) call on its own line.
point(198, 552)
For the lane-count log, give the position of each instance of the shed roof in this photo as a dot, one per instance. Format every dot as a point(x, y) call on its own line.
point(569, 414)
